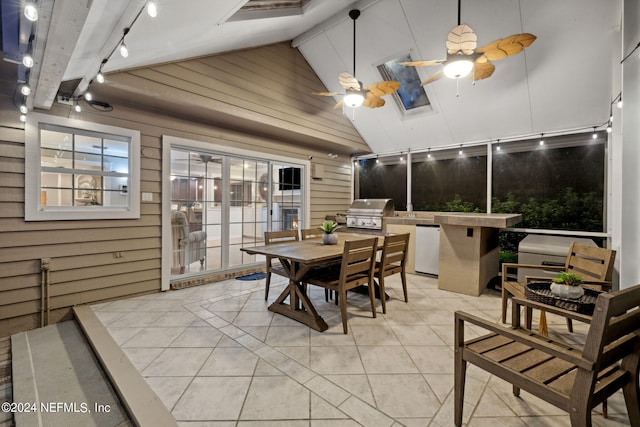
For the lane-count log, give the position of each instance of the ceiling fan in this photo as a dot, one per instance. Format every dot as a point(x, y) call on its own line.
point(355, 93)
point(463, 56)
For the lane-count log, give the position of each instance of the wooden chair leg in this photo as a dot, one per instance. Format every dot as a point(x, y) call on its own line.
point(343, 309)
point(403, 276)
point(266, 286)
point(460, 376)
point(382, 294)
point(505, 298)
point(372, 297)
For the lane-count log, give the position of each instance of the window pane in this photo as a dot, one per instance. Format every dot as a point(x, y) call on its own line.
point(448, 181)
point(56, 158)
point(558, 185)
point(56, 140)
point(116, 164)
point(88, 161)
point(385, 179)
point(87, 144)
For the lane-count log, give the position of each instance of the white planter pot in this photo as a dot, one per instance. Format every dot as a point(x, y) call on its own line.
point(329, 239)
point(564, 291)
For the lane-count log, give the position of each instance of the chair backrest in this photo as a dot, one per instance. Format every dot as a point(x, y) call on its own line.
point(310, 233)
point(590, 262)
point(280, 236)
point(358, 259)
point(394, 251)
point(179, 225)
point(614, 333)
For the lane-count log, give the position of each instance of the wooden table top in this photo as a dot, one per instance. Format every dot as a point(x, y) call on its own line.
point(309, 251)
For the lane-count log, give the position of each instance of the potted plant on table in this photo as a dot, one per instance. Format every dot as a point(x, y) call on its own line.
point(567, 285)
point(329, 237)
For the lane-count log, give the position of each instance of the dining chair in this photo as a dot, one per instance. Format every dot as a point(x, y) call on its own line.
point(310, 233)
point(356, 269)
point(392, 261)
point(271, 237)
point(594, 264)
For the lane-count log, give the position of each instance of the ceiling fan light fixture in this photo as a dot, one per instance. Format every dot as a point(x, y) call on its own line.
point(353, 99)
point(458, 66)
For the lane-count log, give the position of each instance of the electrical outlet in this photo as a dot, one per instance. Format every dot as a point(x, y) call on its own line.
point(65, 100)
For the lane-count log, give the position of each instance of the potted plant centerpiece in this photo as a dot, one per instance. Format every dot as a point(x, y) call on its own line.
point(329, 237)
point(567, 285)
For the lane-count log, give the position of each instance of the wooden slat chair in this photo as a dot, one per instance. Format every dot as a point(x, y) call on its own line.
point(594, 264)
point(393, 261)
point(271, 237)
point(356, 269)
point(569, 378)
point(316, 233)
point(310, 233)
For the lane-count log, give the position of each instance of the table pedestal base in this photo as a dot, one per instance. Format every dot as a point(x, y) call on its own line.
point(306, 314)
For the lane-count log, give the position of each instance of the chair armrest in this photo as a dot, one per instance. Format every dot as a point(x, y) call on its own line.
point(508, 265)
point(197, 236)
point(544, 344)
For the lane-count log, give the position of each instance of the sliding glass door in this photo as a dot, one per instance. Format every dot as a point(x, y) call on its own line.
point(227, 202)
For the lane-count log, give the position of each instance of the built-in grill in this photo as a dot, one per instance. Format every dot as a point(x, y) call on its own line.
point(368, 213)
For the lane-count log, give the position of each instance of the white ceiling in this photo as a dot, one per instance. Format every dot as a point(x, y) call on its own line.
point(564, 80)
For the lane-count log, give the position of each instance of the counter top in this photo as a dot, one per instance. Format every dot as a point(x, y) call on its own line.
point(408, 220)
point(477, 219)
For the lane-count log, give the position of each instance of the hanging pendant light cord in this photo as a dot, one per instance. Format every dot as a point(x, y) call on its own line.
point(354, 14)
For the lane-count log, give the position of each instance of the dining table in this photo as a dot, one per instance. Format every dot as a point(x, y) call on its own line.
point(298, 258)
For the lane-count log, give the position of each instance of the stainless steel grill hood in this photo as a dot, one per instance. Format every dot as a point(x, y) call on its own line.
point(368, 213)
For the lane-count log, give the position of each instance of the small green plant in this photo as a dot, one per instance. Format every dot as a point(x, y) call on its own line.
point(329, 226)
point(568, 279)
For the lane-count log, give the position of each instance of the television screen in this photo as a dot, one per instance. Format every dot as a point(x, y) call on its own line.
point(289, 179)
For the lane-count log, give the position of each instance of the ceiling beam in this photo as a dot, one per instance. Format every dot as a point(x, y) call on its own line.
point(55, 44)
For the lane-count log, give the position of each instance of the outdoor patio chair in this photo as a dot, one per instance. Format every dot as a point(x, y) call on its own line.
point(271, 237)
point(393, 261)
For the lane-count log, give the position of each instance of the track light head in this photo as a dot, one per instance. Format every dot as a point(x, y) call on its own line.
point(31, 11)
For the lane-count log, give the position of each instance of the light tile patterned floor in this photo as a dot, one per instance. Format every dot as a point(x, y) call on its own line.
point(217, 357)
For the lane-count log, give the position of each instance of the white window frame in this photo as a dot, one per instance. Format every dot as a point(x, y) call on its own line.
point(35, 212)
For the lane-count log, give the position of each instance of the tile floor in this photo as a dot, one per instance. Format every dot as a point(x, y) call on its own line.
point(217, 357)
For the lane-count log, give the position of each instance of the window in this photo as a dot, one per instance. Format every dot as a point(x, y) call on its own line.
point(411, 97)
point(451, 180)
point(80, 170)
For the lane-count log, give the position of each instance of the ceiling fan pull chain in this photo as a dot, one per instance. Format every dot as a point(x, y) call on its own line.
point(457, 88)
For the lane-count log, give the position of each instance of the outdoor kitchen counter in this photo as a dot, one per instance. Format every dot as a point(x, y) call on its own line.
point(469, 249)
point(409, 220)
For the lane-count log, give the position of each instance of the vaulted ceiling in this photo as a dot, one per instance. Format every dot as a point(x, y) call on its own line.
point(565, 80)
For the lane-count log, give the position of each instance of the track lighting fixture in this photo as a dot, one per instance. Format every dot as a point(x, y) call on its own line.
point(619, 104)
point(27, 60)
point(24, 109)
point(100, 77)
point(88, 96)
point(77, 107)
point(23, 118)
point(152, 9)
point(595, 134)
point(31, 11)
point(25, 90)
point(124, 51)
point(541, 139)
point(609, 128)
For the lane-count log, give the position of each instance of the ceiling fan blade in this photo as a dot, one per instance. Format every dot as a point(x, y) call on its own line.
point(461, 39)
point(373, 101)
point(338, 105)
point(382, 88)
point(430, 63)
point(507, 46)
point(482, 70)
point(326, 93)
point(433, 77)
point(348, 82)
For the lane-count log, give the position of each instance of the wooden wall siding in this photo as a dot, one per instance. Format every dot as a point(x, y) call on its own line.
point(83, 266)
